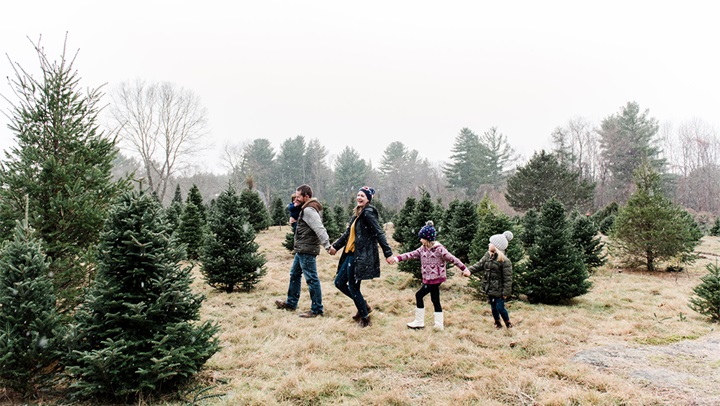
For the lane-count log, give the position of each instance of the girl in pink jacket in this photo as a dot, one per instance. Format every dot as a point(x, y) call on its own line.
point(433, 256)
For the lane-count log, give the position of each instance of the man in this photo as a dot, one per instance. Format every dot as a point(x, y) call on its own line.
point(309, 235)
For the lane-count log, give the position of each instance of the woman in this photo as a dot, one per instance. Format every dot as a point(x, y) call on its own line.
point(360, 259)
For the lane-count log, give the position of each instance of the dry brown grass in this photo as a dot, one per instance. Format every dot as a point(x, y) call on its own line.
point(271, 356)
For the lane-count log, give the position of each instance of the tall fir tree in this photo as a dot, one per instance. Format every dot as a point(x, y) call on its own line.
point(586, 237)
point(138, 332)
point(230, 257)
point(195, 197)
point(191, 232)
point(706, 299)
point(259, 215)
point(29, 323)
point(330, 222)
point(403, 221)
point(279, 213)
point(651, 228)
point(555, 271)
point(63, 162)
point(461, 226)
point(530, 223)
point(468, 167)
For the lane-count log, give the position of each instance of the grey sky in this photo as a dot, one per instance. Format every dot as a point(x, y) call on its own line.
point(365, 74)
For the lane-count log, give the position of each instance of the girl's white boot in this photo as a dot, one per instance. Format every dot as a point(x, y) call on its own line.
point(439, 321)
point(419, 321)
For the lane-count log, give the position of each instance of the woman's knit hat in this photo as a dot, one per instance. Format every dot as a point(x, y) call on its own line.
point(500, 241)
point(369, 192)
point(428, 231)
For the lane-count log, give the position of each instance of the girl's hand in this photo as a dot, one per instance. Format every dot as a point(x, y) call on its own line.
point(391, 260)
point(466, 273)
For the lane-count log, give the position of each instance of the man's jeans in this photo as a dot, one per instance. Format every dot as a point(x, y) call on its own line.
point(304, 264)
point(346, 283)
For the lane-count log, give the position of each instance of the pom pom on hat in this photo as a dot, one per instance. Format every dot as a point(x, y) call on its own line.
point(428, 231)
point(369, 192)
point(500, 241)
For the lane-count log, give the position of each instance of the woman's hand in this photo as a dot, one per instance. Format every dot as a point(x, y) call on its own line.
point(466, 273)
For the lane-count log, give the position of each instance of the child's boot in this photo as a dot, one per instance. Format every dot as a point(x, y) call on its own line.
point(419, 321)
point(439, 321)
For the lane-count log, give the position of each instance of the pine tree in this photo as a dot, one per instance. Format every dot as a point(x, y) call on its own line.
point(279, 212)
point(651, 228)
point(28, 319)
point(530, 222)
point(586, 239)
point(191, 231)
point(63, 162)
point(707, 294)
point(330, 223)
point(403, 220)
point(715, 230)
point(138, 331)
point(259, 215)
point(555, 272)
point(195, 197)
point(462, 224)
point(229, 256)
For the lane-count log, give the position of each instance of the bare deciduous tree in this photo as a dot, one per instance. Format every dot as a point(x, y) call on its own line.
point(161, 123)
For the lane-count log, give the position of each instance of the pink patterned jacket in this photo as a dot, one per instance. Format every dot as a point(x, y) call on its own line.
point(432, 262)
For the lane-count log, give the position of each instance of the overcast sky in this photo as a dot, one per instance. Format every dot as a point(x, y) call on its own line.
point(368, 73)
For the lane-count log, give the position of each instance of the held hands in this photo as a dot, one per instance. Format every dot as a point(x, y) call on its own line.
point(466, 272)
point(332, 251)
point(391, 260)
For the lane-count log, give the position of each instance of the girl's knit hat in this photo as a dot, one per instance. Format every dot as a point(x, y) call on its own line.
point(500, 241)
point(428, 231)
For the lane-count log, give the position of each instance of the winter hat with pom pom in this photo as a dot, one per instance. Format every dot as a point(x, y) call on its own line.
point(500, 241)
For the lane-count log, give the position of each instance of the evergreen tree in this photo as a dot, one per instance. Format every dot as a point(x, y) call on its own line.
point(138, 331)
point(651, 228)
point(605, 217)
point(715, 230)
point(530, 222)
point(177, 197)
point(28, 319)
point(63, 162)
point(544, 177)
point(707, 294)
point(173, 215)
point(195, 198)
point(351, 173)
point(468, 167)
point(403, 222)
point(289, 242)
point(586, 239)
point(424, 211)
point(555, 271)
point(279, 212)
point(290, 166)
point(259, 215)
point(191, 231)
point(342, 217)
point(258, 162)
point(229, 256)
point(462, 223)
point(330, 223)
point(499, 155)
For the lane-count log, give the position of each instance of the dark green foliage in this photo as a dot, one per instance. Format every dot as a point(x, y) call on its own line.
point(63, 162)
point(341, 216)
point(715, 230)
point(555, 271)
point(530, 224)
point(259, 215)
point(605, 217)
point(707, 294)
point(279, 212)
point(191, 232)
point(138, 332)
point(28, 320)
point(229, 257)
point(331, 225)
point(177, 197)
point(468, 167)
point(289, 242)
point(545, 177)
point(195, 197)
point(462, 223)
point(173, 215)
point(403, 232)
point(424, 210)
point(586, 238)
point(651, 228)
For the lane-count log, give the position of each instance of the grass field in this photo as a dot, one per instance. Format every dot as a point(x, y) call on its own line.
point(272, 356)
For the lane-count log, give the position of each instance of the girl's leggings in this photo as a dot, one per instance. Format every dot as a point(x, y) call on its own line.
point(434, 291)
